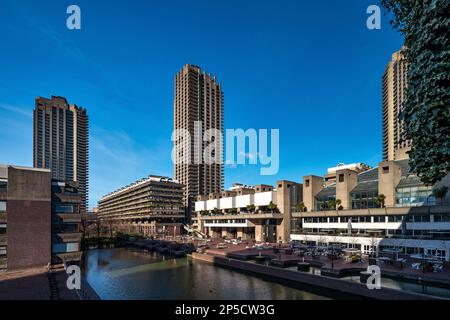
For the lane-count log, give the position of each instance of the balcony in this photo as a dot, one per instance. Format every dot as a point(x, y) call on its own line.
point(3, 263)
point(3, 240)
point(68, 217)
point(66, 257)
point(2, 217)
point(2, 194)
point(69, 237)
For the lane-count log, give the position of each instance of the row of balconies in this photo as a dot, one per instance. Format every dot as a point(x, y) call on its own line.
point(142, 195)
point(147, 206)
point(133, 192)
point(257, 199)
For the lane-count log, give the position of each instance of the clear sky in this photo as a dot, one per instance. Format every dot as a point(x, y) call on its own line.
point(309, 68)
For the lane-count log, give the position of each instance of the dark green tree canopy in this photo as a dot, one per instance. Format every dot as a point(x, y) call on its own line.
point(425, 25)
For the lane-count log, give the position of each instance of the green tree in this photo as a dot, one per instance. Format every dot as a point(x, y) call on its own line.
point(426, 111)
point(272, 206)
point(300, 207)
point(379, 200)
point(251, 208)
point(440, 193)
point(331, 204)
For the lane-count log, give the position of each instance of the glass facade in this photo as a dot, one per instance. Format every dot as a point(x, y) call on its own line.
point(414, 196)
point(364, 199)
point(322, 202)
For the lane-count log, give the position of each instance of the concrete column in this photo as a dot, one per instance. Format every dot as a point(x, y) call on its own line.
point(240, 233)
point(389, 174)
point(346, 180)
point(312, 185)
point(259, 230)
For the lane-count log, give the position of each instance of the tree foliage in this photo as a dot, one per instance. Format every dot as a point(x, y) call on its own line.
point(425, 25)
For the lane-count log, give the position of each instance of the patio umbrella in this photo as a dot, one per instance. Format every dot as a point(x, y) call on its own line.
point(349, 226)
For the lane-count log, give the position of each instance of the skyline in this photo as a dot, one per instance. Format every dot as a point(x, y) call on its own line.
point(144, 79)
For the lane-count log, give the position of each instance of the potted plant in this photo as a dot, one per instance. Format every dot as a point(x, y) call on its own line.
point(440, 193)
point(379, 200)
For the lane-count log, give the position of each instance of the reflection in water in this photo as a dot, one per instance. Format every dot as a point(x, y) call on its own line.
point(130, 274)
point(408, 286)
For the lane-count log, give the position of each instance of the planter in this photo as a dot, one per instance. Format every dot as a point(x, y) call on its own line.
point(364, 276)
point(260, 259)
point(303, 266)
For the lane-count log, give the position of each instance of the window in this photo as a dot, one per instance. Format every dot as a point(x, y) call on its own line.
point(441, 218)
point(2, 206)
point(334, 219)
point(394, 218)
point(386, 169)
point(364, 199)
point(2, 228)
point(421, 218)
point(414, 196)
point(341, 177)
point(365, 219)
point(65, 247)
point(379, 219)
point(307, 182)
point(64, 208)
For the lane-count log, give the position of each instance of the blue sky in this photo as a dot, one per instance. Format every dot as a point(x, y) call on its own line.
point(309, 68)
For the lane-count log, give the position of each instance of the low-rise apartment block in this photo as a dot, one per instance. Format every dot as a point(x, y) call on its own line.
point(260, 213)
point(150, 206)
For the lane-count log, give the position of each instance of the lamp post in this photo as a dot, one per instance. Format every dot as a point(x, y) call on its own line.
point(332, 257)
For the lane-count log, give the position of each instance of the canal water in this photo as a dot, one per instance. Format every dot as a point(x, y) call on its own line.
point(124, 274)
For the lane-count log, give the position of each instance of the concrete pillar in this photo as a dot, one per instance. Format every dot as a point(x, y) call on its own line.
point(389, 174)
point(240, 233)
point(312, 185)
point(286, 190)
point(346, 180)
point(259, 231)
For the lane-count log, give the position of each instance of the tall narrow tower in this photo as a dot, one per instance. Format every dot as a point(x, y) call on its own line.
point(395, 145)
point(198, 107)
point(61, 142)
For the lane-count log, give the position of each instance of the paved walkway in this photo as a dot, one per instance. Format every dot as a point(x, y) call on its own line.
point(30, 284)
point(246, 251)
point(33, 284)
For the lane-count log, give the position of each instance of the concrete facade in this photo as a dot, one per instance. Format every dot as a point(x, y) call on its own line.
point(28, 209)
point(395, 145)
point(198, 99)
point(150, 206)
point(230, 217)
point(61, 142)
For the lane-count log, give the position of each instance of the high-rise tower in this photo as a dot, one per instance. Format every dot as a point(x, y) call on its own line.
point(61, 142)
point(198, 107)
point(395, 145)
